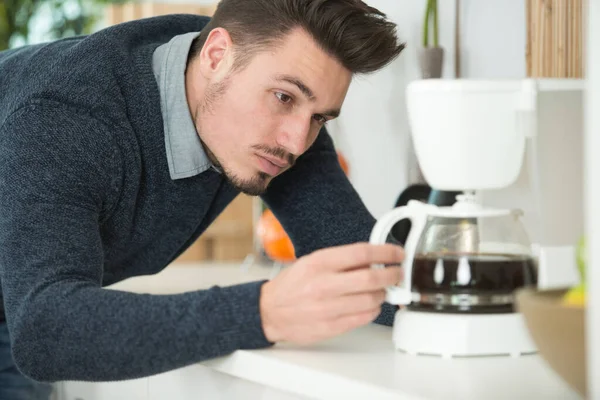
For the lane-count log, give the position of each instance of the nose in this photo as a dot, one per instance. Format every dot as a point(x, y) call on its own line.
point(293, 134)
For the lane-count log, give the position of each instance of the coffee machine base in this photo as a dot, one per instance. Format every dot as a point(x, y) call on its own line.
point(458, 335)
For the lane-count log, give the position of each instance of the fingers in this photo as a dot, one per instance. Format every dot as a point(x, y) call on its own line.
point(354, 304)
point(349, 322)
point(329, 292)
point(355, 255)
point(362, 280)
point(341, 315)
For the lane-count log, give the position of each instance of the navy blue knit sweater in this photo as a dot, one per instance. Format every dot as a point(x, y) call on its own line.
point(86, 200)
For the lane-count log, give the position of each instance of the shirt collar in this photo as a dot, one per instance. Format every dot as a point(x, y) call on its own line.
point(185, 153)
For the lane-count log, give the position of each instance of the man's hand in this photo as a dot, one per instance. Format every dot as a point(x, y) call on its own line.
point(328, 292)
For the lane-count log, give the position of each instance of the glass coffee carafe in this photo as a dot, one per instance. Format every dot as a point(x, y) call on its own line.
point(460, 259)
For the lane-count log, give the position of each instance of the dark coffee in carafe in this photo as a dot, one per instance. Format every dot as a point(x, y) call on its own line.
point(470, 283)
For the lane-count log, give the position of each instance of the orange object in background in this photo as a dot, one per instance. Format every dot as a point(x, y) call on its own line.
point(273, 238)
point(343, 163)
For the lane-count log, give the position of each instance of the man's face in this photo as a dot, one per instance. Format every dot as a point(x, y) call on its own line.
point(257, 121)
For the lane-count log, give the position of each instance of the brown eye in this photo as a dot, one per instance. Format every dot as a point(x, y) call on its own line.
point(284, 98)
point(320, 119)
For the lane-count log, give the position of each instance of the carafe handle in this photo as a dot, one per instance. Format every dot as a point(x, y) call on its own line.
point(415, 211)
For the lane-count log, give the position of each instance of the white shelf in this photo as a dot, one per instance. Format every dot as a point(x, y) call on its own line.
point(478, 85)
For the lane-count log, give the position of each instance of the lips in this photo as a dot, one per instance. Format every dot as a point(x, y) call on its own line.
point(277, 161)
point(271, 166)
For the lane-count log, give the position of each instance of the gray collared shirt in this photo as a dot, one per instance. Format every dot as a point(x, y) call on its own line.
point(185, 153)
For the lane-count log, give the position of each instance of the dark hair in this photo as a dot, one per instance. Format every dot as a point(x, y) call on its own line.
point(357, 35)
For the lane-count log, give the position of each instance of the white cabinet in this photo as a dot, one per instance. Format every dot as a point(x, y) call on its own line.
point(199, 382)
point(127, 390)
point(191, 383)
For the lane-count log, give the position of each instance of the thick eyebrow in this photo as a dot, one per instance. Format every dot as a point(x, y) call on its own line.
point(297, 82)
point(333, 113)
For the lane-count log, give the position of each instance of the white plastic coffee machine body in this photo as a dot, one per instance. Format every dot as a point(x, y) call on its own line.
point(458, 307)
point(515, 144)
point(470, 134)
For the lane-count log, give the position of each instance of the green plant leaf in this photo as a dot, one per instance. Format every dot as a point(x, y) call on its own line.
point(67, 18)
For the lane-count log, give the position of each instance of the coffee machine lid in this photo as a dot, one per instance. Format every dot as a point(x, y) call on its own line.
point(467, 206)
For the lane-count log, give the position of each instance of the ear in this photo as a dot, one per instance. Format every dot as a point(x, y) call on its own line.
point(216, 54)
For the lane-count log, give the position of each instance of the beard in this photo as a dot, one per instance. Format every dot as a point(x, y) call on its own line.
point(254, 186)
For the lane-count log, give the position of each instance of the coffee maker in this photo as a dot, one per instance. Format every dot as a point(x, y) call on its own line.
point(512, 150)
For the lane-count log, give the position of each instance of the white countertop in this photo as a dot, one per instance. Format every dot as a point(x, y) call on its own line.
point(360, 364)
point(363, 365)
point(184, 277)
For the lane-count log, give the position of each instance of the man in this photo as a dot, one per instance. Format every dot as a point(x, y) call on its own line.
point(117, 150)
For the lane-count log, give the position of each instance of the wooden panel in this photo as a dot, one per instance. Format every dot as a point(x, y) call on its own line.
point(231, 236)
point(555, 32)
point(231, 249)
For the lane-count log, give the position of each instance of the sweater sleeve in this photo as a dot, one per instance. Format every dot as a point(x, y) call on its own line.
point(318, 206)
point(58, 172)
